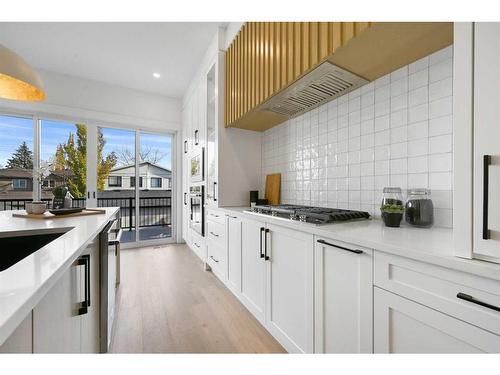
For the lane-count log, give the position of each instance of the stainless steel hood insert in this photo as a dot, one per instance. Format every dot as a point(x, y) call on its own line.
point(326, 82)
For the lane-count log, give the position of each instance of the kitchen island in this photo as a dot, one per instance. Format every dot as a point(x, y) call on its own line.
point(26, 284)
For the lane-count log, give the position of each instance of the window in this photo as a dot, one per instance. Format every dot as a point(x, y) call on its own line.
point(156, 182)
point(132, 181)
point(20, 184)
point(115, 181)
point(48, 184)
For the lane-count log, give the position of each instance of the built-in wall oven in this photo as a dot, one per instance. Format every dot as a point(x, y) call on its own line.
point(197, 208)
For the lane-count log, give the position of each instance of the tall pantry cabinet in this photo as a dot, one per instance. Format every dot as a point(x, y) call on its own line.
point(476, 140)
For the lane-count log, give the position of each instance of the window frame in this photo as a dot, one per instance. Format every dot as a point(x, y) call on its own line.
point(156, 179)
point(118, 184)
point(25, 180)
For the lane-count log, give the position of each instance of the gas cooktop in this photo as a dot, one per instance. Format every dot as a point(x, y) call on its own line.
point(308, 214)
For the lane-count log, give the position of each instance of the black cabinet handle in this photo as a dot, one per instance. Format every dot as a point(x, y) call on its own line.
point(471, 299)
point(266, 257)
point(213, 234)
point(185, 199)
point(486, 183)
point(215, 193)
point(185, 147)
point(84, 260)
point(262, 229)
point(196, 137)
point(215, 260)
point(88, 194)
point(341, 247)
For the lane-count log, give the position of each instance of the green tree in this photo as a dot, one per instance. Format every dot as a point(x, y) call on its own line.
point(74, 156)
point(22, 158)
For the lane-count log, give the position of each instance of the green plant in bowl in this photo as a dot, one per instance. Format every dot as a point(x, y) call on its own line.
point(392, 214)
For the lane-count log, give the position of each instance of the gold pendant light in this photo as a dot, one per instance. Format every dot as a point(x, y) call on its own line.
point(18, 81)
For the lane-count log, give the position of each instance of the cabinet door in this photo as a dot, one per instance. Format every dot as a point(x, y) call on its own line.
point(56, 323)
point(211, 145)
point(290, 298)
point(486, 138)
point(404, 326)
point(21, 340)
point(253, 270)
point(344, 302)
point(234, 253)
point(90, 321)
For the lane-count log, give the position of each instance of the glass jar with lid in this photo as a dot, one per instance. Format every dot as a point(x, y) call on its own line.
point(392, 206)
point(419, 209)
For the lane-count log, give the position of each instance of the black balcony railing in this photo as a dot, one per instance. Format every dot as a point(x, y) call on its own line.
point(156, 211)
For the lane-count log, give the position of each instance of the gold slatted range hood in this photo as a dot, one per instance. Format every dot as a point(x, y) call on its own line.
point(275, 71)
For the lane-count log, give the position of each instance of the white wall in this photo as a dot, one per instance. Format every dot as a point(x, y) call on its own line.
point(78, 98)
point(395, 131)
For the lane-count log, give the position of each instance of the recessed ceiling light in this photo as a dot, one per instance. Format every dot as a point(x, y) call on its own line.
point(156, 75)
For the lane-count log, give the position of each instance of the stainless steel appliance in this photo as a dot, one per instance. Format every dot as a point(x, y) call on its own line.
point(197, 170)
point(197, 208)
point(307, 214)
point(109, 242)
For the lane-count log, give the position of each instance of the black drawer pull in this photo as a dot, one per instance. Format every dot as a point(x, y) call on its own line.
point(260, 249)
point(356, 251)
point(215, 260)
point(266, 257)
point(213, 234)
point(471, 299)
point(486, 183)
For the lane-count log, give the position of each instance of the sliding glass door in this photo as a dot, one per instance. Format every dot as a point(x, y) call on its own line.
point(99, 166)
point(138, 179)
point(155, 186)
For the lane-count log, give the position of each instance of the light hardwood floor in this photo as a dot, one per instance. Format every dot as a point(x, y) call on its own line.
point(167, 303)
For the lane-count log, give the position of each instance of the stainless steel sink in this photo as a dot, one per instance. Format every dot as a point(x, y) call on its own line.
point(17, 247)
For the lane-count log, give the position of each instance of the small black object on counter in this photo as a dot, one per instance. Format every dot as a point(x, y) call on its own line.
point(419, 209)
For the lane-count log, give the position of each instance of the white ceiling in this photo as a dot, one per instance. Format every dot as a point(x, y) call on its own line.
point(123, 54)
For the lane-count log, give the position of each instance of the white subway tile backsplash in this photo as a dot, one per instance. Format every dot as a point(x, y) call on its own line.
point(441, 70)
point(441, 107)
point(418, 79)
point(441, 125)
point(395, 131)
point(418, 65)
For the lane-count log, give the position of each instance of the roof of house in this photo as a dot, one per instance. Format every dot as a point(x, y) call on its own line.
point(16, 173)
point(141, 164)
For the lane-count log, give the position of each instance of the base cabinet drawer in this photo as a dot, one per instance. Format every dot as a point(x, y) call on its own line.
point(216, 216)
point(467, 297)
point(216, 259)
point(405, 326)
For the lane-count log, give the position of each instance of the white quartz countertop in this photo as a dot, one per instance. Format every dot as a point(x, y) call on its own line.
point(432, 245)
point(25, 283)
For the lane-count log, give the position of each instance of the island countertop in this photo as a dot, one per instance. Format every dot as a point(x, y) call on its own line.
point(25, 283)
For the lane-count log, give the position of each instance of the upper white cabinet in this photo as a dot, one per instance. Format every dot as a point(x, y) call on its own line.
point(476, 133)
point(289, 257)
point(344, 297)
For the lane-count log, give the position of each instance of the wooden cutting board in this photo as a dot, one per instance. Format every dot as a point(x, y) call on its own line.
point(47, 215)
point(273, 188)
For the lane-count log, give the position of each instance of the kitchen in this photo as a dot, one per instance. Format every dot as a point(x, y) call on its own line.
point(304, 187)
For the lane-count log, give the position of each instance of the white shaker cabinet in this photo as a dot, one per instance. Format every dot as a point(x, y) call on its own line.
point(476, 133)
point(486, 161)
point(60, 322)
point(234, 243)
point(289, 257)
point(253, 268)
point(404, 326)
point(343, 297)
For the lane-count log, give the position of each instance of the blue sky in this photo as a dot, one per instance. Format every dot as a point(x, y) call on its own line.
point(15, 130)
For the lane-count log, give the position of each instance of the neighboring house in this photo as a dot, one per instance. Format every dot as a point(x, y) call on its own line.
point(18, 183)
point(152, 177)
